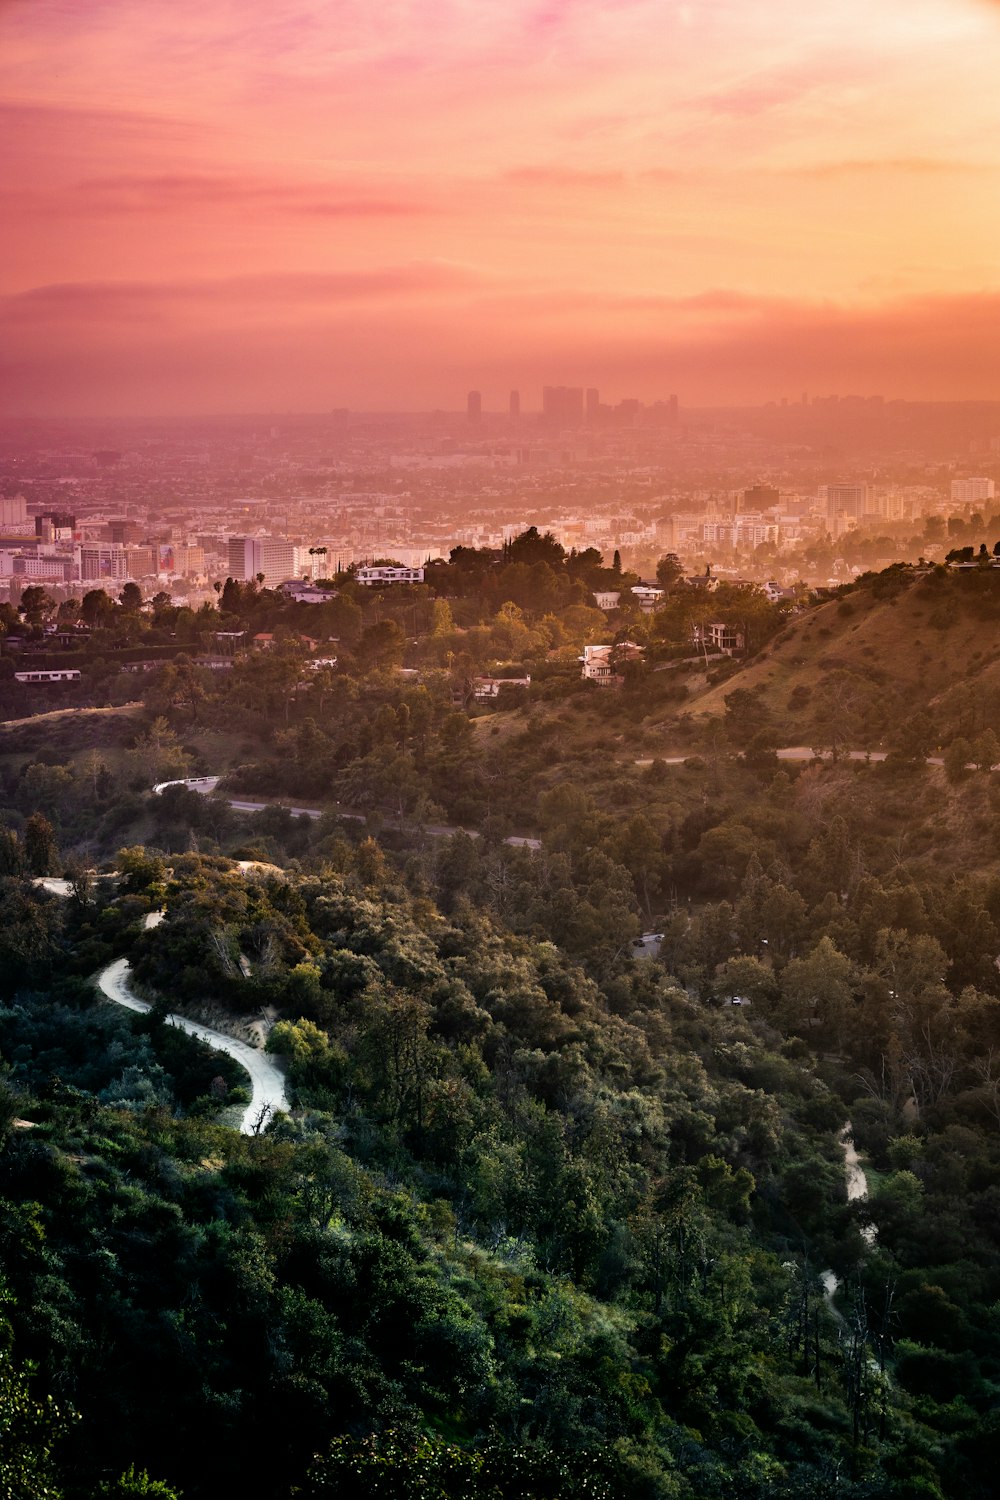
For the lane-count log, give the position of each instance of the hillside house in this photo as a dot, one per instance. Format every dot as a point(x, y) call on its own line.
point(377, 576)
point(300, 591)
point(647, 596)
point(485, 689)
point(716, 635)
point(603, 664)
point(66, 675)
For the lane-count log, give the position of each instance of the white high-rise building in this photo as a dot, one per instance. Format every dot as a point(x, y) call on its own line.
point(276, 558)
point(13, 512)
point(971, 491)
point(849, 500)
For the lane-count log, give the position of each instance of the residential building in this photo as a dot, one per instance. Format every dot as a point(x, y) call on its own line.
point(302, 592)
point(66, 675)
point(971, 491)
point(716, 635)
point(602, 664)
point(647, 595)
point(372, 576)
point(486, 688)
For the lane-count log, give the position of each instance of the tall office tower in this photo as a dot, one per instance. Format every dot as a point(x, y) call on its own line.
point(848, 500)
point(273, 556)
point(55, 526)
point(121, 531)
point(760, 497)
point(140, 562)
point(102, 560)
point(562, 404)
point(241, 558)
point(969, 491)
point(514, 405)
point(593, 403)
point(474, 406)
point(13, 510)
point(673, 409)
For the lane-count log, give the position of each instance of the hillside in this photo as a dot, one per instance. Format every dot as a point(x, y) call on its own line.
point(897, 644)
point(549, 1210)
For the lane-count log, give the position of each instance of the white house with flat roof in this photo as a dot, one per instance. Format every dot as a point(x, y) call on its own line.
point(375, 576)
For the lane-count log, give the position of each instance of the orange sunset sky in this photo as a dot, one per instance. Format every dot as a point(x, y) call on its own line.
point(234, 205)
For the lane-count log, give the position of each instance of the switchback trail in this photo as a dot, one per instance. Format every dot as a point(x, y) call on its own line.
point(267, 1081)
point(857, 1191)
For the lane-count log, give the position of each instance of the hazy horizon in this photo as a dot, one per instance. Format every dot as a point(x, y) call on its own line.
point(225, 209)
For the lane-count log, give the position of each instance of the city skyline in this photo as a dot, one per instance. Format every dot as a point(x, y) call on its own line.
point(222, 208)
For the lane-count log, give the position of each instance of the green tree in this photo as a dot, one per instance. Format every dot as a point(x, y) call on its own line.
point(40, 852)
point(531, 547)
point(442, 621)
point(986, 750)
point(36, 605)
point(380, 646)
point(957, 759)
point(669, 571)
point(31, 1428)
point(819, 989)
point(134, 1484)
point(97, 608)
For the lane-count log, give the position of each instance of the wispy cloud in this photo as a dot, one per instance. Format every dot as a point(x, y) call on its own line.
point(555, 176)
point(178, 192)
point(920, 166)
point(111, 300)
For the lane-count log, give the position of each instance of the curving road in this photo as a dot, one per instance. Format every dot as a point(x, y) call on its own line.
point(797, 752)
point(207, 784)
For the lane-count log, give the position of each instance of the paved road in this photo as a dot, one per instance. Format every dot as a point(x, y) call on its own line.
point(647, 946)
point(795, 752)
point(267, 1081)
point(208, 784)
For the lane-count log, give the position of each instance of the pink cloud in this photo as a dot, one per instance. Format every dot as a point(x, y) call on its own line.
point(917, 165)
point(88, 301)
point(177, 192)
point(562, 177)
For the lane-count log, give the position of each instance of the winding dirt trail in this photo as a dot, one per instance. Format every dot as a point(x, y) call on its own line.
point(267, 1081)
point(857, 1190)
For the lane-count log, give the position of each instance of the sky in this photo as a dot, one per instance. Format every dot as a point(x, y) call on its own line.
point(238, 205)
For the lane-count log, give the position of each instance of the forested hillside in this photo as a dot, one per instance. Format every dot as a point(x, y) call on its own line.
point(548, 1216)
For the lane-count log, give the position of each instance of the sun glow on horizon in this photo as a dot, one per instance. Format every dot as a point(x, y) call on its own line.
point(227, 205)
